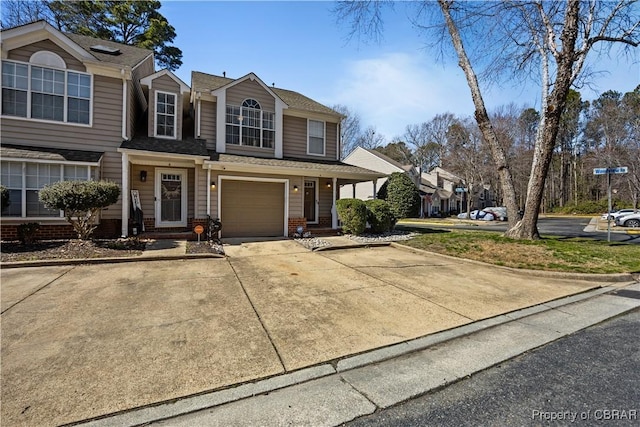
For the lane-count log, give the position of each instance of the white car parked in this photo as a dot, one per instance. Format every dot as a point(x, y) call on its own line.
point(629, 220)
point(616, 214)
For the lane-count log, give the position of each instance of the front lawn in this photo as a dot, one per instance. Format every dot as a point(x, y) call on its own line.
point(550, 253)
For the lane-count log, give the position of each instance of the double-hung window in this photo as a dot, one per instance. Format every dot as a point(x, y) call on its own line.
point(25, 179)
point(165, 115)
point(44, 93)
point(316, 143)
point(250, 125)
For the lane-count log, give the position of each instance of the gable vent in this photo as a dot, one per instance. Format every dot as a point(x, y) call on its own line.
point(105, 49)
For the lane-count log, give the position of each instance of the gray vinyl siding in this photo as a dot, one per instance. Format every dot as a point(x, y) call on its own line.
point(208, 123)
point(295, 139)
point(164, 84)
point(325, 197)
point(147, 189)
point(251, 89)
point(24, 53)
point(111, 170)
point(200, 189)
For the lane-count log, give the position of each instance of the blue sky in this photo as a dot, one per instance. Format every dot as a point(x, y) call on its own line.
point(298, 45)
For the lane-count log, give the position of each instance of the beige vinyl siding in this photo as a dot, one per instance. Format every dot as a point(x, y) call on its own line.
point(245, 150)
point(146, 189)
point(295, 139)
point(165, 84)
point(105, 133)
point(111, 170)
point(208, 123)
point(25, 52)
point(326, 197)
point(200, 190)
point(251, 89)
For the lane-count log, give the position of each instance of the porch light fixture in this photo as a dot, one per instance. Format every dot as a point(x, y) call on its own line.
point(143, 176)
point(295, 188)
point(328, 184)
point(213, 185)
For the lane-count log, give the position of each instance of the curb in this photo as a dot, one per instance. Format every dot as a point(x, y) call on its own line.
point(114, 260)
point(264, 387)
point(592, 277)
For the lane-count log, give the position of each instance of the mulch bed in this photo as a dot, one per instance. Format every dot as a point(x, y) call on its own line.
point(70, 249)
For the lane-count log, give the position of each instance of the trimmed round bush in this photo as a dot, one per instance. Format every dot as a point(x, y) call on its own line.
point(403, 196)
point(81, 201)
point(353, 214)
point(379, 216)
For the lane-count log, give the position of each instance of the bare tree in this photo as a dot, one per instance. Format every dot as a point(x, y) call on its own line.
point(20, 12)
point(349, 129)
point(429, 140)
point(548, 40)
point(370, 139)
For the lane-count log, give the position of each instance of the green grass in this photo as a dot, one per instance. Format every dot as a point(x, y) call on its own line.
point(549, 253)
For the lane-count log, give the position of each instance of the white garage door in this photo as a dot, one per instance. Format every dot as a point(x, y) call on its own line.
point(252, 208)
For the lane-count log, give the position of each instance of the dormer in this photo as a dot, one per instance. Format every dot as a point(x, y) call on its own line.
point(168, 104)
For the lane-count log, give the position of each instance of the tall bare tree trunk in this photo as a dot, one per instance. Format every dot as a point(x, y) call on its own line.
point(482, 118)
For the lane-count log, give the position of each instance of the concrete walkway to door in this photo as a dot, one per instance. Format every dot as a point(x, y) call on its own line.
point(85, 341)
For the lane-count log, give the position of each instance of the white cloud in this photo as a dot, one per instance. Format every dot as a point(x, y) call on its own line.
point(395, 90)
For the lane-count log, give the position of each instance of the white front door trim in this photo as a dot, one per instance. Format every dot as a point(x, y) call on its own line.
point(316, 198)
point(184, 174)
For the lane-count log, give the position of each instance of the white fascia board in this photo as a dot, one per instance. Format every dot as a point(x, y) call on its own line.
point(312, 115)
point(109, 70)
point(146, 81)
point(132, 152)
point(253, 77)
point(56, 162)
point(37, 31)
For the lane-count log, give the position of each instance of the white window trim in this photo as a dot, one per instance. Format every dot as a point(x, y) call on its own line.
point(24, 189)
point(242, 126)
point(155, 116)
point(66, 97)
point(324, 138)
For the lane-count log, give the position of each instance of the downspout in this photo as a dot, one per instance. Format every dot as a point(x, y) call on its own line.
point(125, 86)
point(198, 115)
point(125, 195)
point(209, 190)
point(334, 212)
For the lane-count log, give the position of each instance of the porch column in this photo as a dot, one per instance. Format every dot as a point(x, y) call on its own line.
point(354, 190)
point(334, 212)
point(125, 195)
point(209, 192)
point(375, 191)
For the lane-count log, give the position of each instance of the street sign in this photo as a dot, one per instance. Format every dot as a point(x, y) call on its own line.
point(604, 171)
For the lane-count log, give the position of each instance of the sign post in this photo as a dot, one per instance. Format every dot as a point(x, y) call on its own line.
point(608, 172)
point(198, 229)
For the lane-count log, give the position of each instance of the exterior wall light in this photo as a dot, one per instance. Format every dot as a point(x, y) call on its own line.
point(143, 176)
point(213, 185)
point(295, 188)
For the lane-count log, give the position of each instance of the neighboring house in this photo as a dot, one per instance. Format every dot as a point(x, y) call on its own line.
point(449, 195)
point(262, 159)
point(375, 161)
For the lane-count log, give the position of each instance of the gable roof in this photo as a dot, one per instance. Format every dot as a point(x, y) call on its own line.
point(184, 88)
point(389, 159)
point(130, 55)
point(202, 82)
point(77, 45)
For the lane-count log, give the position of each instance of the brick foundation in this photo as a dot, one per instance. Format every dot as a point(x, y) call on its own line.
point(324, 221)
point(108, 228)
point(294, 223)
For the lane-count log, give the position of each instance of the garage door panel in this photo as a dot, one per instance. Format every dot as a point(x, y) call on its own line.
point(252, 208)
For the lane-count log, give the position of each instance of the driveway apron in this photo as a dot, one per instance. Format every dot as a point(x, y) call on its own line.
point(85, 341)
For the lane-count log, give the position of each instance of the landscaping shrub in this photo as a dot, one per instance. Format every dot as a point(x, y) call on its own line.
point(27, 232)
point(4, 198)
point(591, 207)
point(379, 216)
point(353, 214)
point(81, 201)
point(403, 196)
point(382, 192)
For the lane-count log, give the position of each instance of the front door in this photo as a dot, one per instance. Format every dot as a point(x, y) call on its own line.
point(311, 201)
point(171, 197)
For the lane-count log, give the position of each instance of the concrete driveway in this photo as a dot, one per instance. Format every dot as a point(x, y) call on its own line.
point(83, 341)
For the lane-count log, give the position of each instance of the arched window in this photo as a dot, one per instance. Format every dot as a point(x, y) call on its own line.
point(250, 125)
point(47, 59)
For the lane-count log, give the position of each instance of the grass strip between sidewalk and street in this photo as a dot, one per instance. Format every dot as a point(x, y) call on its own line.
point(550, 253)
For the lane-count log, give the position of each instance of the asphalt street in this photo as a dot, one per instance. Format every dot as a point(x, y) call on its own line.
point(568, 227)
point(588, 378)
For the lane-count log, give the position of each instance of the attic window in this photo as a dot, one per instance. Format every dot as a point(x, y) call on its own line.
point(105, 49)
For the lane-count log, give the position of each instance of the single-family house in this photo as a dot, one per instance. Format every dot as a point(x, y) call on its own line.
point(262, 159)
